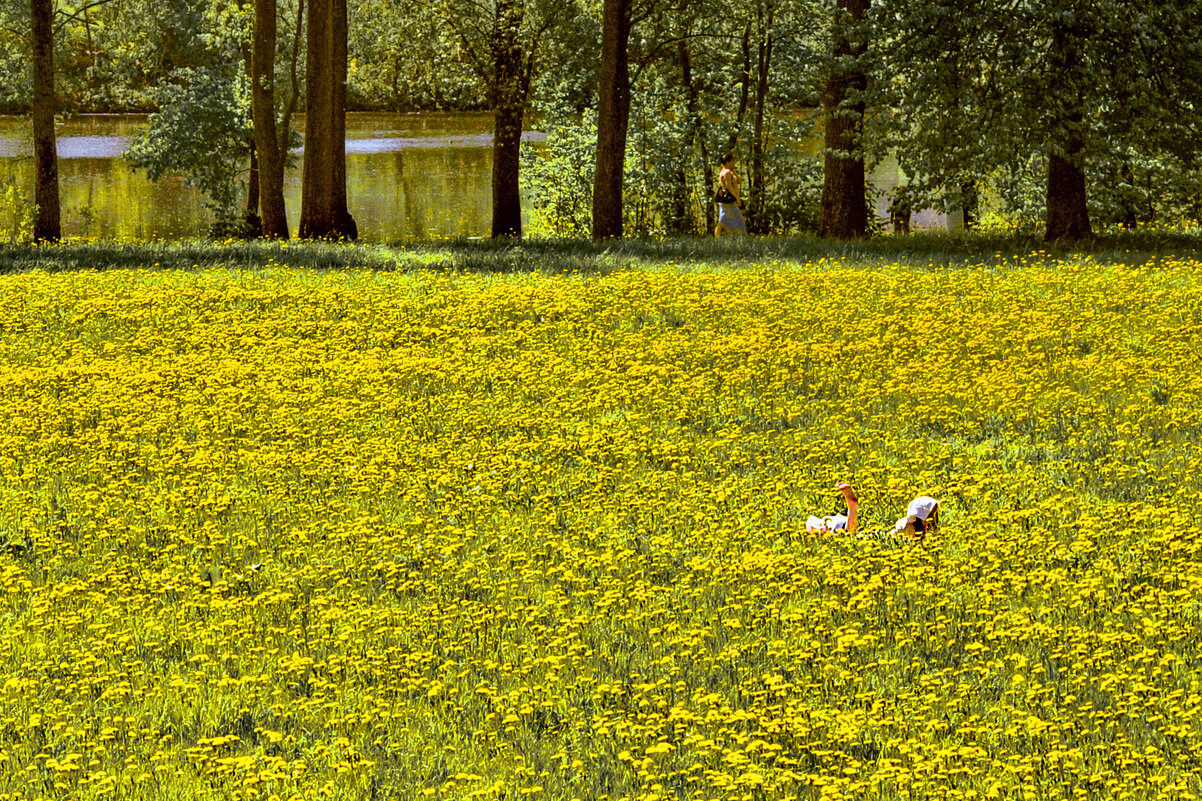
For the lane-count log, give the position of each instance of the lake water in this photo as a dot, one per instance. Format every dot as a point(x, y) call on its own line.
point(409, 176)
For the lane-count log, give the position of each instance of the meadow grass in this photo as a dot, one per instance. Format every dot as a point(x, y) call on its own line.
point(560, 256)
point(504, 521)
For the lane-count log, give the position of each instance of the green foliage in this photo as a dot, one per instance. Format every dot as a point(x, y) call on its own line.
point(413, 62)
point(557, 176)
point(111, 55)
point(16, 210)
point(665, 175)
point(16, 77)
point(794, 190)
point(204, 130)
point(565, 83)
point(794, 195)
point(984, 91)
point(1135, 190)
point(1126, 190)
point(664, 171)
point(1013, 198)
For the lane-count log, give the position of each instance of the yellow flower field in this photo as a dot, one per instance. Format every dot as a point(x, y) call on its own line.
point(281, 533)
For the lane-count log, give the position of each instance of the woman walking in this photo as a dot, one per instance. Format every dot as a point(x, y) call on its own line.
point(730, 218)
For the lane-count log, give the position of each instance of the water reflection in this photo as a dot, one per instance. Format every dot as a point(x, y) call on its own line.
point(91, 147)
point(436, 191)
point(386, 145)
point(409, 176)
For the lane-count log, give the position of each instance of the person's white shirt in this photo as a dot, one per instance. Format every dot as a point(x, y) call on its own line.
point(831, 523)
point(919, 509)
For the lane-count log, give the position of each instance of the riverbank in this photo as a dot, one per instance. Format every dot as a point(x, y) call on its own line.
point(480, 520)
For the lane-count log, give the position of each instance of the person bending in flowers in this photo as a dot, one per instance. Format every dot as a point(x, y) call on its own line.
point(922, 515)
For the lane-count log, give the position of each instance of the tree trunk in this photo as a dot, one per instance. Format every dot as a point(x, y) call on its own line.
point(697, 132)
point(744, 91)
point(324, 213)
point(317, 176)
point(844, 210)
point(506, 155)
point(252, 193)
point(509, 89)
point(47, 225)
point(1068, 214)
point(267, 142)
point(968, 204)
point(285, 129)
point(756, 180)
point(613, 119)
point(345, 227)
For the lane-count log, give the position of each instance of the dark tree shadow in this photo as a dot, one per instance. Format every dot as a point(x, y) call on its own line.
point(588, 257)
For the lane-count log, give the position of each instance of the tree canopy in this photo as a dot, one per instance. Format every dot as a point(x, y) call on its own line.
point(1096, 92)
point(1066, 112)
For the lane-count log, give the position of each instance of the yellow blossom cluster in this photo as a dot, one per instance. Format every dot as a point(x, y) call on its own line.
point(278, 533)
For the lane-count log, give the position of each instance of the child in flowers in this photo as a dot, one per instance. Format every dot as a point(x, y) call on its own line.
point(837, 522)
point(922, 515)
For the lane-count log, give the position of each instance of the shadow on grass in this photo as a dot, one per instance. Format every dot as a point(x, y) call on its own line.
point(587, 257)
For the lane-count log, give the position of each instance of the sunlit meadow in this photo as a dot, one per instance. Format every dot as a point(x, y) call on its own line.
point(272, 532)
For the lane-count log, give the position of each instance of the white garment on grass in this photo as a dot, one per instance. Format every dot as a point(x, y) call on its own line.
point(826, 523)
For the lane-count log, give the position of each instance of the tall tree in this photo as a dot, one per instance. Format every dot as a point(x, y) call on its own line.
point(270, 155)
point(613, 118)
point(502, 41)
point(324, 213)
point(1068, 212)
point(509, 91)
point(47, 226)
point(1070, 85)
point(844, 210)
point(765, 15)
point(694, 138)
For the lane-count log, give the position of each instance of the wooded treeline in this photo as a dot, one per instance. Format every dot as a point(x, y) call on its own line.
point(1066, 111)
